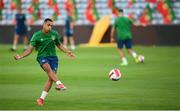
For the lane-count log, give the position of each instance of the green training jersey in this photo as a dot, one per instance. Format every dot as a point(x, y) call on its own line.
point(123, 28)
point(45, 44)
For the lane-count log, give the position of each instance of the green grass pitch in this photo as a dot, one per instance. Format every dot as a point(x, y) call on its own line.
point(152, 85)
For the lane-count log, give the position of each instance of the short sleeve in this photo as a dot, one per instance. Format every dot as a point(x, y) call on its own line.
point(33, 41)
point(114, 23)
point(130, 21)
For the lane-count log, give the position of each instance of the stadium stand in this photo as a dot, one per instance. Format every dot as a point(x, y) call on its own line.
point(101, 5)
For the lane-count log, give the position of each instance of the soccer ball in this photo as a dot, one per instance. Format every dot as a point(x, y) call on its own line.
point(141, 58)
point(114, 74)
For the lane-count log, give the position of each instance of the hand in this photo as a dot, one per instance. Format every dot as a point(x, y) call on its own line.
point(17, 57)
point(71, 55)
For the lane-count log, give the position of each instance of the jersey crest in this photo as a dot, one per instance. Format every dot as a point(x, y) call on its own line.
point(53, 38)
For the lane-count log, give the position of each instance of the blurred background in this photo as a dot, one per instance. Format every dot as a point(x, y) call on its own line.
point(162, 18)
point(152, 85)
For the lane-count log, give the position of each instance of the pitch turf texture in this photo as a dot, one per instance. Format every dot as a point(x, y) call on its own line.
point(152, 85)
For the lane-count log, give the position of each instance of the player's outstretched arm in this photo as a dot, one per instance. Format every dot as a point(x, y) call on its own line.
point(25, 53)
point(65, 50)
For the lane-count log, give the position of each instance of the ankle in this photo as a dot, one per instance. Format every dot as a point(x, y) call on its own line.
point(58, 82)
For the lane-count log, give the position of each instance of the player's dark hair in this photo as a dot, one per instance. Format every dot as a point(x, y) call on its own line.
point(120, 10)
point(48, 19)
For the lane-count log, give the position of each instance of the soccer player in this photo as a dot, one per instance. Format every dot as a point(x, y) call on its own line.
point(124, 36)
point(20, 30)
point(69, 31)
point(44, 41)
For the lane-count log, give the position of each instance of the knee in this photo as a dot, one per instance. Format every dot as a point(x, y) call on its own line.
point(49, 71)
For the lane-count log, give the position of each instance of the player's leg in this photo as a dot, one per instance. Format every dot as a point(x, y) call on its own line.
point(128, 44)
point(120, 44)
point(53, 62)
point(65, 41)
point(44, 93)
point(50, 72)
point(123, 58)
point(133, 53)
point(49, 82)
point(25, 41)
point(71, 40)
point(53, 76)
point(49, 65)
point(15, 41)
point(47, 87)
